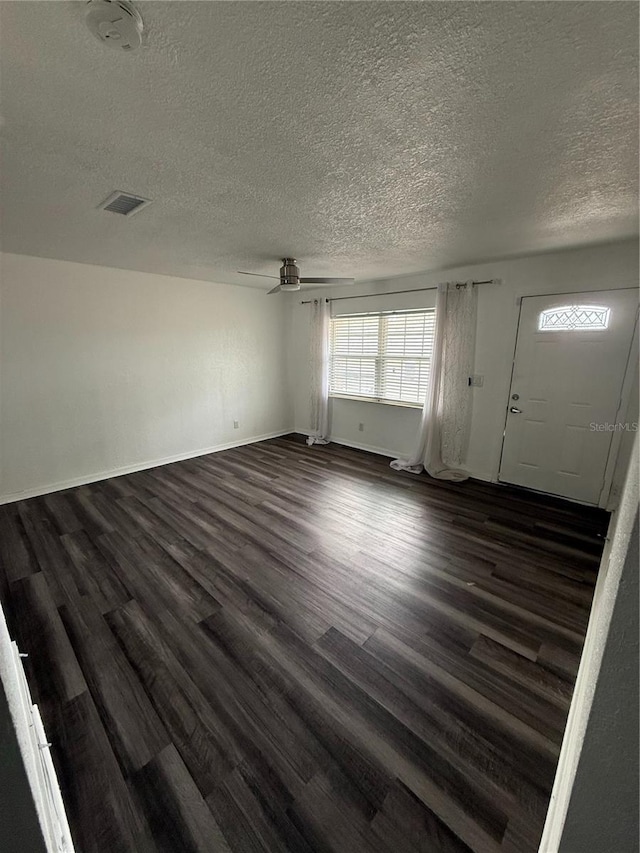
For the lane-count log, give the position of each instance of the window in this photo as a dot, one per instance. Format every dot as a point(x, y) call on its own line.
point(571, 317)
point(385, 357)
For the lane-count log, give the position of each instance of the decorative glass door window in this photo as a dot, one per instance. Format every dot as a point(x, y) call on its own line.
point(574, 318)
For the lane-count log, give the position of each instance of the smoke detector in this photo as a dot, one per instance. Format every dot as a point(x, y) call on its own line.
point(115, 23)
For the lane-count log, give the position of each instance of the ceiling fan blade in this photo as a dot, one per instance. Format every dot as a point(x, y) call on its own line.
point(327, 280)
point(259, 274)
point(276, 289)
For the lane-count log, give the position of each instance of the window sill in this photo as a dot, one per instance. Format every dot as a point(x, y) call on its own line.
point(359, 399)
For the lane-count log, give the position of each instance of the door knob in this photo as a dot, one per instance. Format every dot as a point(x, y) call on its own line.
point(515, 410)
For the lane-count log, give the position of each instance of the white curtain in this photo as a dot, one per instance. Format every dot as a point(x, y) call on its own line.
point(319, 371)
point(441, 443)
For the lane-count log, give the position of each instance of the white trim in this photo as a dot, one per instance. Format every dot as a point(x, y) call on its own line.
point(334, 395)
point(380, 451)
point(616, 439)
point(33, 745)
point(604, 599)
point(131, 469)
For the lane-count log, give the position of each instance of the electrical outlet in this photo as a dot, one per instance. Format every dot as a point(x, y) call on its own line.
point(236, 424)
point(360, 427)
point(476, 381)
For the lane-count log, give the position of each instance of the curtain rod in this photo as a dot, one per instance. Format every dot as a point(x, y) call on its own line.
point(458, 284)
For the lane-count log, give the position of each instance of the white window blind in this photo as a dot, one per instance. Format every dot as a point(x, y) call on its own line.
point(382, 356)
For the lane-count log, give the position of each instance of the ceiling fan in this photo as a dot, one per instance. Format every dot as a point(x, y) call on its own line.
point(289, 278)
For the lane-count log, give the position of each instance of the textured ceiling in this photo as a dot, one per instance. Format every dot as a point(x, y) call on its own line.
point(364, 139)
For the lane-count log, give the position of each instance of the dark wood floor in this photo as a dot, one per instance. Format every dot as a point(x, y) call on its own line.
point(283, 648)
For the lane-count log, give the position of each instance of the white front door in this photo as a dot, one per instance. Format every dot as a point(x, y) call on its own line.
point(571, 357)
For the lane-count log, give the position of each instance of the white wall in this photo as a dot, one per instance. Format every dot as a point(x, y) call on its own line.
point(594, 803)
point(104, 370)
point(390, 429)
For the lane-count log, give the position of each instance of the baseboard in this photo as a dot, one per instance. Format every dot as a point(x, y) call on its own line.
point(370, 448)
point(383, 451)
point(131, 469)
point(380, 451)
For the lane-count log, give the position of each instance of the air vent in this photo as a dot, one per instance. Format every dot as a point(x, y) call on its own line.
point(124, 203)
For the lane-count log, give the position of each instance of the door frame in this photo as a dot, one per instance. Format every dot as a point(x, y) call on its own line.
point(616, 439)
point(623, 403)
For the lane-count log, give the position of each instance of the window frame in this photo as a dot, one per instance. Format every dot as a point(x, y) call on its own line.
point(379, 358)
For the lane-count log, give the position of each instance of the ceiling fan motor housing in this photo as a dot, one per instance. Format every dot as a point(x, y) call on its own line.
point(115, 23)
point(289, 275)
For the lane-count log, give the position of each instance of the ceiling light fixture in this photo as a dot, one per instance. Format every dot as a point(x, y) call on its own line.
point(115, 23)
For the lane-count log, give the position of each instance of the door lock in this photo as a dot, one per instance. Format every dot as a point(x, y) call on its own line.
point(515, 396)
